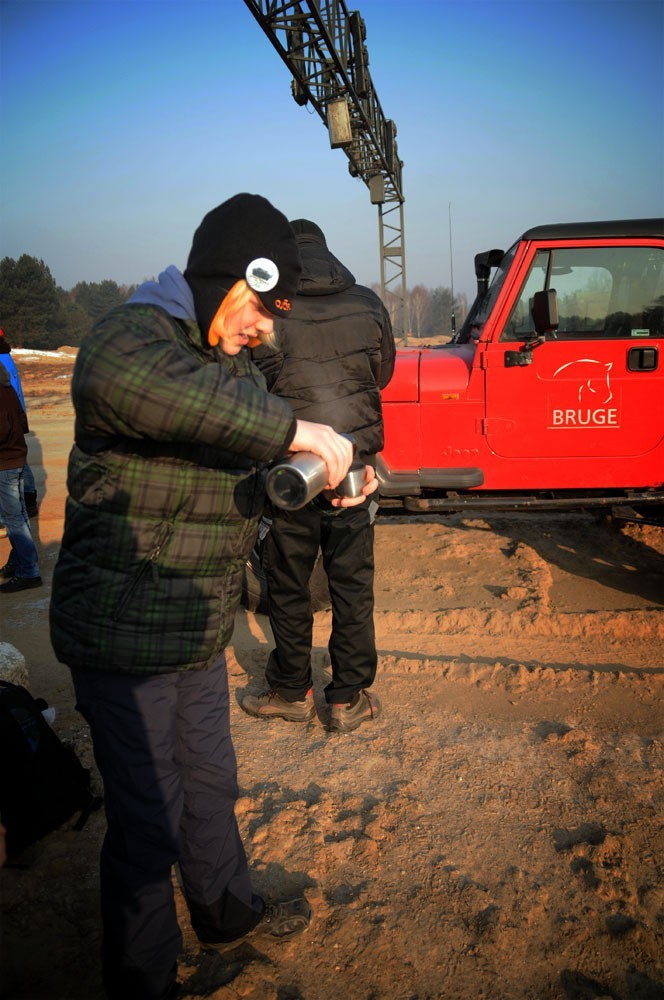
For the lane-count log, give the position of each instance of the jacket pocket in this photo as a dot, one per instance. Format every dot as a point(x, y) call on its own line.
point(149, 564)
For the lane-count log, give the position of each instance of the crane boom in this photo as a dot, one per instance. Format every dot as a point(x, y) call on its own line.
point(323, 46)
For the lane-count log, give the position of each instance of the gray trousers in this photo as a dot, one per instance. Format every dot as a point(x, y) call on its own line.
point(164, 751)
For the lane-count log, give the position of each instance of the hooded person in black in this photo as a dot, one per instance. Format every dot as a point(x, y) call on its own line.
point(334, 355)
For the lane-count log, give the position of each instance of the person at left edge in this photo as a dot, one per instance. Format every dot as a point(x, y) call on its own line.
point(173, 431)
point(21, 571)
point(29, 487)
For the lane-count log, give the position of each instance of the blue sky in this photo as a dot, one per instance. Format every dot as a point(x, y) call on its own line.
point(123, 121)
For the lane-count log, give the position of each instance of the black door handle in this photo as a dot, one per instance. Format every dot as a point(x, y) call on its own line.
point(642, 359)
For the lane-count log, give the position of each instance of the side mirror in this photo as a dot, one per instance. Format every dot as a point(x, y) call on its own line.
point(545, 311)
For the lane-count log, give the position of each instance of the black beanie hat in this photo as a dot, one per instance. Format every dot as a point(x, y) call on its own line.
point(244, 237)
point(304, 227)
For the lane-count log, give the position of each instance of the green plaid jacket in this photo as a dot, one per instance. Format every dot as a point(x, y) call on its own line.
point(165, 485)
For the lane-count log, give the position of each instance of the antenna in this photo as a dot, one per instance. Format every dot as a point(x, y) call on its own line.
point(449, 216)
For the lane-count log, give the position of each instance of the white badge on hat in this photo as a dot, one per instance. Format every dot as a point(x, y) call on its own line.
point(262, 274)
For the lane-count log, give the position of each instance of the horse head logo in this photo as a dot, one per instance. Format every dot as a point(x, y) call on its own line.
point(594, 379)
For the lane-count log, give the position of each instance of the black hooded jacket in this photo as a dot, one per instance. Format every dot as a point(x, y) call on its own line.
point(335, 351)
point(13, 426)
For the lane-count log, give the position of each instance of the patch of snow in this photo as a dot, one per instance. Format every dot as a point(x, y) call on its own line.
point(27, 353)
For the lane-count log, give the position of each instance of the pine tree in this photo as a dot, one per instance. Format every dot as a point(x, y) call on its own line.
point(29, 303)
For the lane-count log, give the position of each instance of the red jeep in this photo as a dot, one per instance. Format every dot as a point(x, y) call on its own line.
point(551, 394)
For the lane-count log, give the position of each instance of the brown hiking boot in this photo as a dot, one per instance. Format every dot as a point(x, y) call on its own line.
point(270, 705)
point(279, 921)
point(364, 706)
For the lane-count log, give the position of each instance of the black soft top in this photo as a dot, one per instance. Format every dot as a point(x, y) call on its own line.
point(579, 230)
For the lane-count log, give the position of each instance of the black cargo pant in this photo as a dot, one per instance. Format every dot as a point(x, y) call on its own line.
point(346, 539)
point(164, 750)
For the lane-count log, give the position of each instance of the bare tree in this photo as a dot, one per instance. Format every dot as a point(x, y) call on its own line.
point(420, 310)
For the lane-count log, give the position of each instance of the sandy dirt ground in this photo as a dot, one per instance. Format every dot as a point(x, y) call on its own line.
point(497, 834)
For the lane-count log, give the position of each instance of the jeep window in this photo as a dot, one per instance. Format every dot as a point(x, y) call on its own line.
point(603, 293)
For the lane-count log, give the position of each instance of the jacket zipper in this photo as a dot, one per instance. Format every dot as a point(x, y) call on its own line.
point(149, 563)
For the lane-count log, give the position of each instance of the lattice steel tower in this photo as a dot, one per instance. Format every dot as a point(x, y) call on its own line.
point(323, 45)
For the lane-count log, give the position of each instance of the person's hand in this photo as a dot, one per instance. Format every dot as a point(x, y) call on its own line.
point(335, 449)
point(370, 486)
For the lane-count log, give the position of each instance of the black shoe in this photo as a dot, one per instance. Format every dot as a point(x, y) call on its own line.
point(31, 504)
point(17, 583)
point(279, 920)
point(7, 569)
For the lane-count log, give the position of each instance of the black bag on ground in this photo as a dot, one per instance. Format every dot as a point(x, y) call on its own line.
point(42, 781)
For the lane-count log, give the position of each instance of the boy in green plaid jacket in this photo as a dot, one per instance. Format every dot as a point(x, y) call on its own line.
point(173, 432)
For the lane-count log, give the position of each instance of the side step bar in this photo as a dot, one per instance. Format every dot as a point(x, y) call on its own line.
point(400, 484)
point(487, 501)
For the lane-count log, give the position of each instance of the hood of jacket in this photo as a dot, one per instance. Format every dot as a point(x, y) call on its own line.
point(171, 291)
point(322, 272)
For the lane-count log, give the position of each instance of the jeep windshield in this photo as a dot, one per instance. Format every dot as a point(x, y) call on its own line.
point(486, 296)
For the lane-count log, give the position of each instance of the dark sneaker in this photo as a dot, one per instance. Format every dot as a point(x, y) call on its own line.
point(7, 569)
point(17, 583)
point(270, 705)
point(344, 718)
point(31, 504)
point(279, 921)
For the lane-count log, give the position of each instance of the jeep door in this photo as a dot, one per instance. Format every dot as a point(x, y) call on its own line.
point(594, 387)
